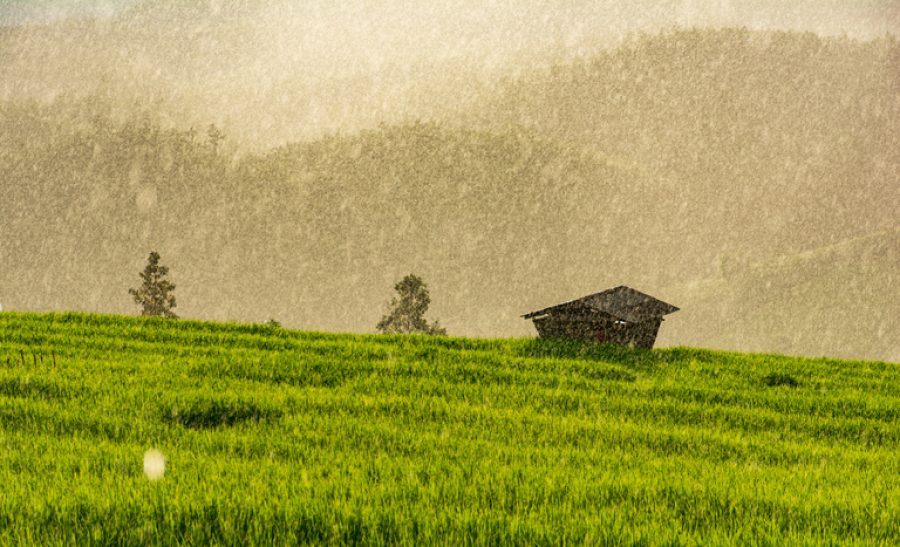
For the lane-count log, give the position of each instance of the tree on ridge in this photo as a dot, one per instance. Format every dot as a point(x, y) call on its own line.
point(407, 315)
point(154, 295)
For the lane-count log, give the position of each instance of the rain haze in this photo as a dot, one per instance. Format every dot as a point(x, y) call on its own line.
point(739, 160)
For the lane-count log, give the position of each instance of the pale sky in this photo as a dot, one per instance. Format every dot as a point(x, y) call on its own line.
point(18, 11)
point(856, 18)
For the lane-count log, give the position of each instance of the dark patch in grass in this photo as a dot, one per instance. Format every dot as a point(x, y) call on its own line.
point(295, 369)
point(687, 354)
point(210, 413)
point(564, 348)
point(780, 379)
point(34, 388)
point(593, 373)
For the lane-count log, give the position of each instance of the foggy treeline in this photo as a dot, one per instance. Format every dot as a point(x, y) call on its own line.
point(750, 178)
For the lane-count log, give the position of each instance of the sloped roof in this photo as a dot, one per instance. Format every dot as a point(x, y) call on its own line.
point(621, 302)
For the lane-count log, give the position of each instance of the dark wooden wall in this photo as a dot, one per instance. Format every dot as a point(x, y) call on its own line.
point(638, 335)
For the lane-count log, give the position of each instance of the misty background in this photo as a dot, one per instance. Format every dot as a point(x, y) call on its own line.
point(739, 160)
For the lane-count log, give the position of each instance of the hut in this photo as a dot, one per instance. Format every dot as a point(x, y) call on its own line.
point(620, 315)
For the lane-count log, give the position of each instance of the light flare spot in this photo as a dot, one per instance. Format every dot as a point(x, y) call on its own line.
point(154, 464)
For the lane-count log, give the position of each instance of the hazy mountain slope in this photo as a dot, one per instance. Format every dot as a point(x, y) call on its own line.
point(316, 233)
point(837, 301)
point(779, 142)
point(651, 166)
point(273, 71)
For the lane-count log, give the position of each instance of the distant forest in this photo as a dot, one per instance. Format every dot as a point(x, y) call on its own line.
point(690, 155)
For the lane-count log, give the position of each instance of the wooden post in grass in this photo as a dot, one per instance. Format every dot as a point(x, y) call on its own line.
point(22, 354)
point(54, 358)
point(42, 358)
point(33, 356)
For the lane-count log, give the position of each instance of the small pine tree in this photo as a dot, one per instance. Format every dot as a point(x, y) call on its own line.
point(407, 315)
point(154, 295)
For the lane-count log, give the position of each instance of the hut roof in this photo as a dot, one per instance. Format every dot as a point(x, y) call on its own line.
point(621, 302)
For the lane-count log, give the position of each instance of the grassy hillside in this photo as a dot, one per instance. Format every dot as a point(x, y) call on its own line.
point(280, 436)
point(838, 300)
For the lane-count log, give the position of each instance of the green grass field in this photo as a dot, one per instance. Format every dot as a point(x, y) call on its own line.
point(279, 437)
